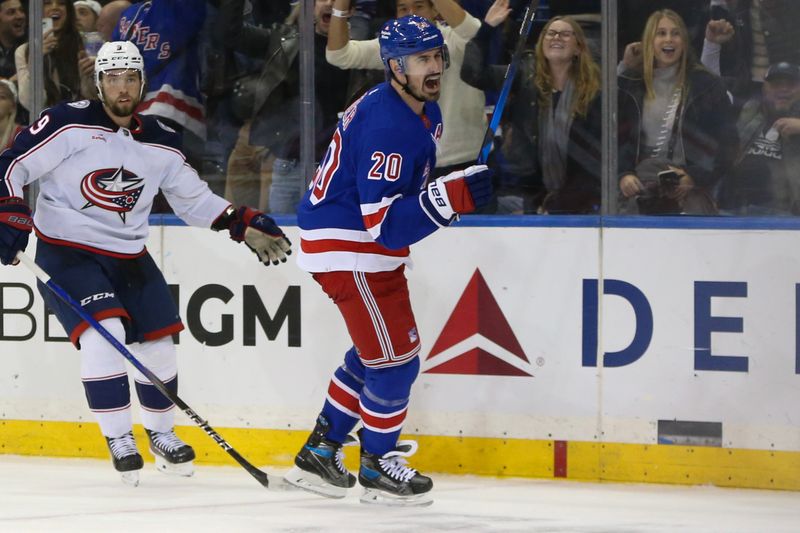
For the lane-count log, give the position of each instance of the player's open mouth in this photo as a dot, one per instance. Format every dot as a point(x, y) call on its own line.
point(326, 18)
point(432, 83)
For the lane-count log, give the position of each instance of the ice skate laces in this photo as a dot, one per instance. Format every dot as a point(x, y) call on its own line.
point(123, 446)
point(394, 462)
point(167, 441)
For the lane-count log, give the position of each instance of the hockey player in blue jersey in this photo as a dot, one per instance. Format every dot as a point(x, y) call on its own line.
point(99, 166)
point(370, 199)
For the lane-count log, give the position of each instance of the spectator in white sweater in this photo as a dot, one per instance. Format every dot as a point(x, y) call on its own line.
point(462, 105)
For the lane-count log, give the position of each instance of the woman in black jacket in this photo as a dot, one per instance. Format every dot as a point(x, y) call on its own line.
point(674, 116)
point(551, 144)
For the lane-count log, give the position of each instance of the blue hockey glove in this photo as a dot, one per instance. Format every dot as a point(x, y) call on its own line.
point(16, 224)
point(260, 233)
point(479, 182)
point(461, 192)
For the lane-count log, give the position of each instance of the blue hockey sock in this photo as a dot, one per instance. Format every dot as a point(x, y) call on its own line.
point(341, 404)
point(384, 405)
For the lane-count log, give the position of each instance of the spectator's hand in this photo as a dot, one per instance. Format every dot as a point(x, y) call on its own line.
point(787, 126)
point(49, 41)
point(719, 31)
point(630, 185)
point(497, 13)
point(85, 64)
point(632, 58)
point(685, 184)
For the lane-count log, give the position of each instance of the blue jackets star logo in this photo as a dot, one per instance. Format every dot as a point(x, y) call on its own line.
point(112, 189)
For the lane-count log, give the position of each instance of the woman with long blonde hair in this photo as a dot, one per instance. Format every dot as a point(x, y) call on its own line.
point(552, 130)
point(676, 129)
point(8, 113)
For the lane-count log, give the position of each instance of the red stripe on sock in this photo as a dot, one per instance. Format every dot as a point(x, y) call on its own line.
point(343, 397)
point(383, 423)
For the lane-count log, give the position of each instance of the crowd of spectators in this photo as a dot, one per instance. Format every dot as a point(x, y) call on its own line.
point(708, 91)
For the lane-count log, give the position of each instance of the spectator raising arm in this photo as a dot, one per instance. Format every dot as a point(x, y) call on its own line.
point(475, 71)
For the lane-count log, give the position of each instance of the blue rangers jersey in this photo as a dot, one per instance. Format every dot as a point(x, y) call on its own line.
point(97, 181)
point(166, 32)
point(368, 200)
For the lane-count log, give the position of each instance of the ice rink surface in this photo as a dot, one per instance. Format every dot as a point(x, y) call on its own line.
point(47, 494)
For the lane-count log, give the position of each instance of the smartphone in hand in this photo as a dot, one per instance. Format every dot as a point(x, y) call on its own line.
point(668, 180)
point(47, 25)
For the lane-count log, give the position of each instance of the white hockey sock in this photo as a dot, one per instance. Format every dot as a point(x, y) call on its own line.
point(158, 356)
point(105, 379)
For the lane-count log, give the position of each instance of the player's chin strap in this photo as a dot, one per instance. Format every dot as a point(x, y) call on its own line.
point(405, 88)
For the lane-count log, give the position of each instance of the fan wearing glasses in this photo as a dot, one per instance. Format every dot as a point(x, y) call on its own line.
point(548, 159)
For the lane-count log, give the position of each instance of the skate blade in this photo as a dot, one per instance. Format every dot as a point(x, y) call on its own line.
point(313, 483)
point(174, 469)
point(130, 478)
point(379, 497)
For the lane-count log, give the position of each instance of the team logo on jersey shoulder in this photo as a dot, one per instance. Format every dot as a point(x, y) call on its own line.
point(80, 104)
point(112, 189)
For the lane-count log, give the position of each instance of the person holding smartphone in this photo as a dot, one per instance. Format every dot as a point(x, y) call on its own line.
point(68, 68)
point(676, 131)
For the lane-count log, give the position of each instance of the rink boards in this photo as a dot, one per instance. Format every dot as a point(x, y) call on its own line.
point(626, 353)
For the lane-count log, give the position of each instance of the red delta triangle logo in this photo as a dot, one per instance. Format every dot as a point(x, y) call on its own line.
point(477, 339)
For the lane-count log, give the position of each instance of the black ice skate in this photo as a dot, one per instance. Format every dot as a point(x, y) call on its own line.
point(126, 457)
point(318, 465)
point(388, 481)
point(173, 456)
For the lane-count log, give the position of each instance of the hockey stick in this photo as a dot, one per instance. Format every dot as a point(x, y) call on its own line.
point(511, 71)
point(267, 480)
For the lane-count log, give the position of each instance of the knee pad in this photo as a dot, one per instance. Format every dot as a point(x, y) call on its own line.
point(99, 359)
point(158, 356)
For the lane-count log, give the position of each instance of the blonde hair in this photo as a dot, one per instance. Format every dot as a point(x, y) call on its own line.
point(7, 129)
point(649, 53)
point(584, 71)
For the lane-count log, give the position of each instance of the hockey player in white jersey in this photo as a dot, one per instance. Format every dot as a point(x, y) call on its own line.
point(99, 166)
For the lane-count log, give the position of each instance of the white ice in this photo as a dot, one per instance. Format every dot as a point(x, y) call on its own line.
point(48, 494)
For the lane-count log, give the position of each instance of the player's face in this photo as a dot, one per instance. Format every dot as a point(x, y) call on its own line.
point(424, 74)
point(121, 90)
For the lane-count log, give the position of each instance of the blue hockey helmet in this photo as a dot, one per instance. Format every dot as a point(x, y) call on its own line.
point(409, 35)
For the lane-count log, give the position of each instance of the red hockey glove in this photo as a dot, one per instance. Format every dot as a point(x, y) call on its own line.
point(258, 231)
point(16, 224)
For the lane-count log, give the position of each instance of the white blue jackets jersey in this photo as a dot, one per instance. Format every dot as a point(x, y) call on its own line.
point(167, 33)
point(368, 200)
point(97, 181)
